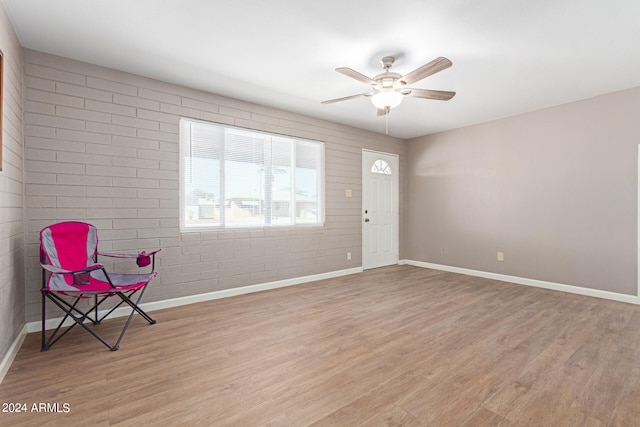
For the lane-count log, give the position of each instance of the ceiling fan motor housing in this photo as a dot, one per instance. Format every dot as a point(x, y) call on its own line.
point(387, 79)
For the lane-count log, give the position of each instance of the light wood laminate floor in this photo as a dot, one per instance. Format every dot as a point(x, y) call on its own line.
point(394, 346)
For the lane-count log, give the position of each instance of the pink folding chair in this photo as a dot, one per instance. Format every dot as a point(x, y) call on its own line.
point(71, 273)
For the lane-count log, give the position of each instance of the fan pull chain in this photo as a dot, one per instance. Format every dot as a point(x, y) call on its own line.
point(386, 120)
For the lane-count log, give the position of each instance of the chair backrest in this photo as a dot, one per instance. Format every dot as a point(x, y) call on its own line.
point(69, 245)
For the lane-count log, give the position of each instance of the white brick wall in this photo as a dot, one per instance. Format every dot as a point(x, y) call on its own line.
point(12, 290)
point(102, 146)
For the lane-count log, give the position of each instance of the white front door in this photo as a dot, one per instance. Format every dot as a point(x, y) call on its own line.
point(380, 217)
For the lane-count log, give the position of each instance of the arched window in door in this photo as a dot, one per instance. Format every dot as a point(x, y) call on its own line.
point(381, 167)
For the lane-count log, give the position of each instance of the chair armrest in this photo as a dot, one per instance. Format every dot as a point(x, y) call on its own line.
point(119, 255)
point(57, 270)
point(143, 258)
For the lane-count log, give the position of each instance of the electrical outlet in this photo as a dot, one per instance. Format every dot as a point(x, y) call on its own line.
point(348, 256)
point(348, 193)
point(500, 256)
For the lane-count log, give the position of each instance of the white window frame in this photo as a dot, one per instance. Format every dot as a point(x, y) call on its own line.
point(321, 197)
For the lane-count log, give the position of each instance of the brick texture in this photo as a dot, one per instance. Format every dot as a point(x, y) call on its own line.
point(12, 288)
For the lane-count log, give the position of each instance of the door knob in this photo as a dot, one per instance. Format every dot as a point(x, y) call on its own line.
point(366, 220)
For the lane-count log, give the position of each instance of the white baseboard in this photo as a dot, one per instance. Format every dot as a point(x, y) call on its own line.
point(12, 352)
point(191, 299)
point(631, 299)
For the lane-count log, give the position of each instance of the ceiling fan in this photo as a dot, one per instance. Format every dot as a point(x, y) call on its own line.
point(389, 88)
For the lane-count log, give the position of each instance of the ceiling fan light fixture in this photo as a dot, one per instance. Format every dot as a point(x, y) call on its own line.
point(387, 97)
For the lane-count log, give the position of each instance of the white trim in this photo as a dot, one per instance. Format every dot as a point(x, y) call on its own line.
point(12, 352)
point(638, 223)
point(192, 299)
point(631, 299)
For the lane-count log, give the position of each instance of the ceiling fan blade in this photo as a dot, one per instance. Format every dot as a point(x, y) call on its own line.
point(346, 98)
point(426, 70)
point(440, 95)
point(356, 75)
point(382, 111)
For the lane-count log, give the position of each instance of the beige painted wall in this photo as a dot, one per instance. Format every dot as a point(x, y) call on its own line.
point(102, 146)
point(555, 190)
point(12, 293)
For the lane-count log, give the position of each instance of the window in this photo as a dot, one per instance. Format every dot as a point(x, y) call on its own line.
point(234, 177)
point(381, 167)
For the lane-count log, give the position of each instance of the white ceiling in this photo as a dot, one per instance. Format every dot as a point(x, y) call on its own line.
point(509, 56)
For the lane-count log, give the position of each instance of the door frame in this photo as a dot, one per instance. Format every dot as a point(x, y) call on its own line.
point(396, 202)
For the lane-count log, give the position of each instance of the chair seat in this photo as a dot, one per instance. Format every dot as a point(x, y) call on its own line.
point(99, 285)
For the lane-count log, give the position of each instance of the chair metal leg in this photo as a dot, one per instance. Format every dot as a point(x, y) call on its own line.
point(54, 336)
point(82, 316)
point(134, 308)
point(78, 320)
point(44, 317)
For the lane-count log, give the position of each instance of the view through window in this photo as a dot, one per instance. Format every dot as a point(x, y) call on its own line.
point(236, 177)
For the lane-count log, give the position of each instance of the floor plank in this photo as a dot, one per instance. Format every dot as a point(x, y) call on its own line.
point(394, 346)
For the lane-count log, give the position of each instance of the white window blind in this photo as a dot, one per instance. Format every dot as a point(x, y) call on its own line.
point(235, 177)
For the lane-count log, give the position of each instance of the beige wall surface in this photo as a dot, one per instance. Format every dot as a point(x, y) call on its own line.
point(102, 146)
point(555, 190)
point(12, 293)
